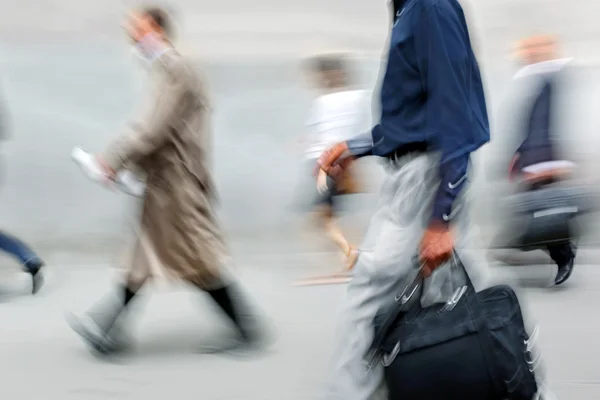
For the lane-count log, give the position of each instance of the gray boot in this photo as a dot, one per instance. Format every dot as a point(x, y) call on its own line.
point(101, 327)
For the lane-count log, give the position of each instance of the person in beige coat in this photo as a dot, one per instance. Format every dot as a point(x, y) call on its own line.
point(179, 235)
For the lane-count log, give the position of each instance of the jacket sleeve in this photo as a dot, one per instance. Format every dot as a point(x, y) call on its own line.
point(361, 145)
point(151, 129)
point(443, 55)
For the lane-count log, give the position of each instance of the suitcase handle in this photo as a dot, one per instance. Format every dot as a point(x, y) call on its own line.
point(401, 304)
point(375, 354)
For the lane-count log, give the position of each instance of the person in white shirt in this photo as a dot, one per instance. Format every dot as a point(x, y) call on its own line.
point(337, 114)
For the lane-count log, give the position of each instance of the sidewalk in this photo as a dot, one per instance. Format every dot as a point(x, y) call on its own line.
point(177, 324)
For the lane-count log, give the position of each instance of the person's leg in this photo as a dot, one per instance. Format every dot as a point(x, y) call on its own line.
point(564, 257)
point(31, 262)
point(17, 248)
point(382, 270)
point(334, 232)
point(96, 325)
point(328, 216)
point(229, 296)
point(223, 298)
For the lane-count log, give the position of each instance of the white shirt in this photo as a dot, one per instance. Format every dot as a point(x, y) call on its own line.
point(542, 68)
point(336, 117)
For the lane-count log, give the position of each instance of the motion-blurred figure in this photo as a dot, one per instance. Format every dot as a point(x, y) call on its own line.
point(30, 261)
point(336, 115)
point(179, 233)
point(537, 162)
point(433, 117)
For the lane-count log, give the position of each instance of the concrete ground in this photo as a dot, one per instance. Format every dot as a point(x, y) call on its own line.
point(42, 357)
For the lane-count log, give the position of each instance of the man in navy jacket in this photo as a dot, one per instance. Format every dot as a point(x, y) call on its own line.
point(433, 116)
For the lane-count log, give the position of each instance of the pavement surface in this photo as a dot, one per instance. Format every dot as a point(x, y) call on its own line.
point(42, 357)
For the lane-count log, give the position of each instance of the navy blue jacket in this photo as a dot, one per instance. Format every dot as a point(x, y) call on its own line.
point(432, 93)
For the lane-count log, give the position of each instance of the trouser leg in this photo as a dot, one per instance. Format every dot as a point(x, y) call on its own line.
point(561, 254)
point(17, 248)
point(225, 300)
point(96, 326)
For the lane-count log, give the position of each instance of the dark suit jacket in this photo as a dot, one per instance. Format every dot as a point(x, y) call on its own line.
point(537, 145)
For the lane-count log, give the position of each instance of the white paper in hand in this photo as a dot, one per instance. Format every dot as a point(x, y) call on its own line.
point(130, 184)
point(88, 164)
point(126, 181)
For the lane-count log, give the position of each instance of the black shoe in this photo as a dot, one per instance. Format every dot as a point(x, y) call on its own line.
point(564, 272)
point(92, 334)
point(34, 267)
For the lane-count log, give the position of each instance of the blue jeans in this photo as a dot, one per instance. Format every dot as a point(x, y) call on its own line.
point(18, 249)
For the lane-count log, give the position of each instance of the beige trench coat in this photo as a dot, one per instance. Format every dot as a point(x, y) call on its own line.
point(179, 235)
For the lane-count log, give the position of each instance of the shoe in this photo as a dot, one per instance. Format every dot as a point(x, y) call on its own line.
point(564, 272)
point(34, 267)
point(91, 333)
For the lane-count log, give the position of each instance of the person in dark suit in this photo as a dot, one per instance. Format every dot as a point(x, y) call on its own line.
point(536, 161)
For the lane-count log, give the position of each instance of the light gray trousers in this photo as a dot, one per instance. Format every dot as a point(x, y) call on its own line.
point(382, 271)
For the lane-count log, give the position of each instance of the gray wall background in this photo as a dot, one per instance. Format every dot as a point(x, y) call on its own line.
point(68, 79)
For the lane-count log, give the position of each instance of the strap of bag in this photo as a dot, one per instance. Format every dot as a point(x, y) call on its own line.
point(401, 304)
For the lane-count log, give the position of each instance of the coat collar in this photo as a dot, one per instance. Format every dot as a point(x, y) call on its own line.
point(542, 68)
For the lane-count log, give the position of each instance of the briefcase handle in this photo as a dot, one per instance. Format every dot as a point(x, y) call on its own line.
point(401, 304)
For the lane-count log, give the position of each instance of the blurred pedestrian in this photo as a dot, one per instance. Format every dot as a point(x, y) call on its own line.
point(538, 162)
point(336, 115)
point(433, 116)
point(179, 234)
point(31, 262)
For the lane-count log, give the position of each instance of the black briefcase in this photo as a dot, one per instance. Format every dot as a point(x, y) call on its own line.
point(475, 346)
point(547, 216)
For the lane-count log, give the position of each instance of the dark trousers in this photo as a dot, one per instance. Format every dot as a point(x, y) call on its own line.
point(561, 254)
point(17, 248)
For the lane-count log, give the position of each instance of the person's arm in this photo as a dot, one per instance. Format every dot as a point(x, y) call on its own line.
point(150, 131)
point(361, 145)
point(443, 57)
point(513, 169)
point(336, 158)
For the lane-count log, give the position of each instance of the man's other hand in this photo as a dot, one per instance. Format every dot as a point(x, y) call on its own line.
point(556, 173)
point(512, 168)
point(436, 247)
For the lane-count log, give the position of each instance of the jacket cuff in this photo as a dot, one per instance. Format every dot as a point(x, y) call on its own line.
point(442, 212)
point(361, 145)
